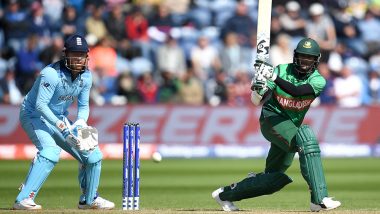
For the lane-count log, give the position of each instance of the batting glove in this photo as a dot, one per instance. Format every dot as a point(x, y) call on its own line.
point(259, 84)
point(265, 69)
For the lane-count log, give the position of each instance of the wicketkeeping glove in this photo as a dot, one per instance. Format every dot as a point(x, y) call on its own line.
point(88, 137)
point(265, 69)
point(70, 138)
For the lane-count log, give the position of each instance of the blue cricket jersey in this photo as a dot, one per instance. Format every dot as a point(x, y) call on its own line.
point(54, 91)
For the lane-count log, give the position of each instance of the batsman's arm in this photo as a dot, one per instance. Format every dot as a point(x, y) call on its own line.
point(258, 99)
point(265, 69)
point(296, 91)
point(314, 86)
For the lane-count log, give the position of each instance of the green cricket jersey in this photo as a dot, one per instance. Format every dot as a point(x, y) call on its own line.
point(285, 104)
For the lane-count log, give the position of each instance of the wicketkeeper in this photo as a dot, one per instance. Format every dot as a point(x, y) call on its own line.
point(43, 117)
point(286, 93)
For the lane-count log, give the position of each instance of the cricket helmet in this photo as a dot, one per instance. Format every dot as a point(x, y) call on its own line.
point(305, 64)
point(75, 43)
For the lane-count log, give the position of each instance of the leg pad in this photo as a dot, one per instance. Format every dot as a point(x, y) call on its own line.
point(257, 185)
point(39, 170)
point(311, 163)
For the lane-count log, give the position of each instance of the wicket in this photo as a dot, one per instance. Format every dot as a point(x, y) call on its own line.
point(131, 166)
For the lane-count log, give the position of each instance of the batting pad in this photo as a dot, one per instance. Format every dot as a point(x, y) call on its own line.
point(38, 172)
point(311, 163)
point(92, 180)
point(254, 186)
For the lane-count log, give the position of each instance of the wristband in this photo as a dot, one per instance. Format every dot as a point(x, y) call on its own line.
point(60, 125)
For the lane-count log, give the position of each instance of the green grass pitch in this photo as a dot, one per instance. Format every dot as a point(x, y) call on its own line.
point(185, 186)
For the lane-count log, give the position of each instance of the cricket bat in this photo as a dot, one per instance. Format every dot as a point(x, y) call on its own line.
point(263, 29)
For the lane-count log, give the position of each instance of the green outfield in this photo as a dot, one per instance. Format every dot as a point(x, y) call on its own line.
point(185, 185)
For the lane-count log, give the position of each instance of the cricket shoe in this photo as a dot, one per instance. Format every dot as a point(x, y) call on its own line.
point(98, 204)
point(26, 204)
point(226, 205)
point(327, 204)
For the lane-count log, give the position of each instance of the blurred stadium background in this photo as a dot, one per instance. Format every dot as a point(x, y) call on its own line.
point(182, 69)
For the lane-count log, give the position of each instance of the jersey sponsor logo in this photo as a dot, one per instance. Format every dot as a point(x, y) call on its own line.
point(66, 97)
point(292, 103)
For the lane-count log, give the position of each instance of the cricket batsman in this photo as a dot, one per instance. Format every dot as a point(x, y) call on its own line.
point(286, 93)
point(43, 117)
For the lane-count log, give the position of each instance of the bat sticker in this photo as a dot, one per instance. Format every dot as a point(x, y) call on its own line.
point(262, 48)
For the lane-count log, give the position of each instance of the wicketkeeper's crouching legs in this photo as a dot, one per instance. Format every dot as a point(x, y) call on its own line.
point(89, 176)
point(41, 166)
point(40, 169)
